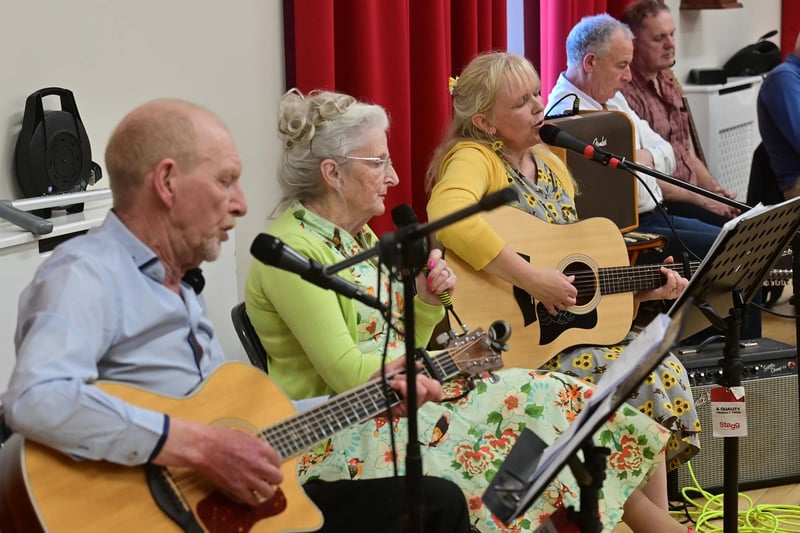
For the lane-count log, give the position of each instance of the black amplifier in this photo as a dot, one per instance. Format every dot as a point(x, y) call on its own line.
point(762, 358)
point(770, 453)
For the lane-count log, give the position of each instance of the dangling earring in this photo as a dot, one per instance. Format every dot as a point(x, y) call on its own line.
point(339, 186)
point(496, 144)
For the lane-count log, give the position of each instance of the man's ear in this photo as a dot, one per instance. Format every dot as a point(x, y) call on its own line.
point(331, 173)
point(588, 61)
point(164, 177)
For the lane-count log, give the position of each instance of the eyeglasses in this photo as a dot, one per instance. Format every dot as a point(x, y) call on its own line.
point(377, 162)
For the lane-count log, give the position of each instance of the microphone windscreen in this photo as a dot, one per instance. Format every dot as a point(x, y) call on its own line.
point(548, 133)
point(266, 248)
point(403, 215)
point(416, 251)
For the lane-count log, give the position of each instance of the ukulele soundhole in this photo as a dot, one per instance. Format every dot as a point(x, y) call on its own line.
point(221, 514)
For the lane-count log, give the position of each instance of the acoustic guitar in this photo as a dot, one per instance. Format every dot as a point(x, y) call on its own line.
point(44, 490)
point(594, 251)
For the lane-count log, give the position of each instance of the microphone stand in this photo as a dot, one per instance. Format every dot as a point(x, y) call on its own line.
point(624, 163)
point(731, 365)
point(399, 249)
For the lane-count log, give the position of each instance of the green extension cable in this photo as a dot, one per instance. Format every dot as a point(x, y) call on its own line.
point(763, 518)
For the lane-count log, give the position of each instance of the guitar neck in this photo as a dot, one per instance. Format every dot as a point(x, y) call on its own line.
point(310, 427)
point(614, 280)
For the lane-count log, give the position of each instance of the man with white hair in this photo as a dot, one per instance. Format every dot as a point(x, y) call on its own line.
point(599, 55)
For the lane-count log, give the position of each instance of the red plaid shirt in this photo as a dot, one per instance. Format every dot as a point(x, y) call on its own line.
point(666, 115)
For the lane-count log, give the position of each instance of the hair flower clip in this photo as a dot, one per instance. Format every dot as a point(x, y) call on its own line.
point(451, 84)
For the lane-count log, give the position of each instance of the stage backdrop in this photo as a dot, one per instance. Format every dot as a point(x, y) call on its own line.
point(398, 54)
point(547, 24)
point(790, 26)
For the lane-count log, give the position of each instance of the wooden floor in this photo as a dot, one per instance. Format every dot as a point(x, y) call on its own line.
point(783, 330)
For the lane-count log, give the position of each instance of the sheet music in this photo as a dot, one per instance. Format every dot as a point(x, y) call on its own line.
point(739, 260)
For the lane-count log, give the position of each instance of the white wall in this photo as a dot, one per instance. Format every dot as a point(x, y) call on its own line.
point(516, 28)
point(707, 38)
point(227, 56)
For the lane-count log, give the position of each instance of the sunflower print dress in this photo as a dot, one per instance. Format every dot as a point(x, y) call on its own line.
point(665, 395)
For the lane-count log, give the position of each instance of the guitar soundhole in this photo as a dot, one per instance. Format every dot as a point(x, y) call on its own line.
point(221, 514)
point(585, 281)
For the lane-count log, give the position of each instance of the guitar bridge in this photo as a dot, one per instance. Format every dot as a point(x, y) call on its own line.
point(169, 499)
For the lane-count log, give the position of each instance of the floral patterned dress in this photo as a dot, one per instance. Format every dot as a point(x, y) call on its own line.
point(467, 438)
point(665, 395)
point(466, 441)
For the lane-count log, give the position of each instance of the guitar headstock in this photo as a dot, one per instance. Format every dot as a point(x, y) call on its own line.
point(478, 352)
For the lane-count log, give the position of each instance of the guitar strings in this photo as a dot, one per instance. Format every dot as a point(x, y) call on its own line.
point(618, 277)
point(284, 436)
point(187, 479)
point(623, 278)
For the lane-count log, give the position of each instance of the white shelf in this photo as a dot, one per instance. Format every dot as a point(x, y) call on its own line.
point(63, 224)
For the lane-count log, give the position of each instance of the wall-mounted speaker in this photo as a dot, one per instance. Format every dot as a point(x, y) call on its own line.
point(770, 453)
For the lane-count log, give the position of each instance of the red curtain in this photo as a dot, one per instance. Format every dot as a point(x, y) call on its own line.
point(545, 42)
point(790, 26)
point(365, 48)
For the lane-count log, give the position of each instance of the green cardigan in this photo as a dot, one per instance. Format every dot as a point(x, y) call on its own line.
point(309, 333)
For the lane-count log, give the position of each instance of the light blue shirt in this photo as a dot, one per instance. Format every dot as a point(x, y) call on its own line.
point(97, 309)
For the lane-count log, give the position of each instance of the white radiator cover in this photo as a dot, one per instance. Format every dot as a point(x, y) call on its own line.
point(727, 126)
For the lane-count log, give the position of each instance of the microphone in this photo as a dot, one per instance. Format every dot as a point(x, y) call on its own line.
point(272, 251)
point(403, 216)
point(555, 136)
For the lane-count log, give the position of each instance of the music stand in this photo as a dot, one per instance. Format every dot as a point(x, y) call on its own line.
point(530, 466)
point(728, 278)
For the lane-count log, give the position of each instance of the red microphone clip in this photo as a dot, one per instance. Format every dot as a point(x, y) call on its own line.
point(589, 151)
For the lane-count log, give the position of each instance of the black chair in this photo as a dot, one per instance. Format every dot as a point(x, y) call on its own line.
point(249, 338)
point(5, 431)
point(763, 187)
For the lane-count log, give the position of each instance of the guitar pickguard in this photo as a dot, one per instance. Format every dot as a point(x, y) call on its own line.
point(221, 514)
point(527, 306)
point(552, 327)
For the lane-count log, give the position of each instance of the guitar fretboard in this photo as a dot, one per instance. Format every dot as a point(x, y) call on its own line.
point(306, 429)
point(614, 280)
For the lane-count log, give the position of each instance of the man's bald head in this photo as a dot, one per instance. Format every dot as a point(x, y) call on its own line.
point(156, 130)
